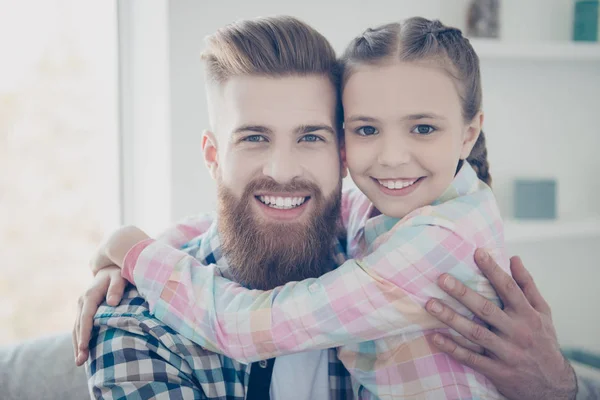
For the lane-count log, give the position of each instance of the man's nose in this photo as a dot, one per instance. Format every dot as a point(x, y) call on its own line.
point(283, 166)
point(394, 151)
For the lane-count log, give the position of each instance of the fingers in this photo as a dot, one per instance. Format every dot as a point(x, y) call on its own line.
point(478, 362)
point(467, 344)
point(80, 356)
point(507, 288)
point(526, 283)
point(89, 303)
point(115, 288)
point(74, 334)
point(472, 331)
point(479, 305)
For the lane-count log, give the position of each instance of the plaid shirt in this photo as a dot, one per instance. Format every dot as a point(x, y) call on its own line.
point(372, 306)
point(133, 355)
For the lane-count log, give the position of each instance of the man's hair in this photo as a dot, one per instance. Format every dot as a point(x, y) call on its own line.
point(271, 46)
point(276, 47)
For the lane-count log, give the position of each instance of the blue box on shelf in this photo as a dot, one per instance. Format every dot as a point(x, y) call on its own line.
point(535, 199)
point(585, 24)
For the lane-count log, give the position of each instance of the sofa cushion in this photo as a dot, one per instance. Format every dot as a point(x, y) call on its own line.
point(42, 368)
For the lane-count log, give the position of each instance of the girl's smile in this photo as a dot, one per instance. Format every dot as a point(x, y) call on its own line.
point(400, 186)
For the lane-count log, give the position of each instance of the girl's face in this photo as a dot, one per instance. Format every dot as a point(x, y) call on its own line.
point(404, 134)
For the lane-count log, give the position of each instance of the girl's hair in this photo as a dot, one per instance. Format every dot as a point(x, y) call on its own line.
point(419, 39)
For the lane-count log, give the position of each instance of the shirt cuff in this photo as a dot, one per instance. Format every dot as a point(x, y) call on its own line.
point(132, 257)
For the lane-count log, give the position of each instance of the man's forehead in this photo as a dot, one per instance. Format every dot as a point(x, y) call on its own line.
point(278, 102)
point(309, 92)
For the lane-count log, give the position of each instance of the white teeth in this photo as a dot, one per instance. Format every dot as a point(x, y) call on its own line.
point(282, 202)
point(399, 184)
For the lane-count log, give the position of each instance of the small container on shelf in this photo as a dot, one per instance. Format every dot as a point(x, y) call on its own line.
point(586, 20)
point(483, 19)
point(535, 199)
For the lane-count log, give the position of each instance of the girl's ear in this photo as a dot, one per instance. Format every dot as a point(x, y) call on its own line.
point(471, 135)
point(209, 150)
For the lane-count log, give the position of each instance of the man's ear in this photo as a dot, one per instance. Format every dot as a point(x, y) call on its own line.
point(471, 135)
point(344, 166)
point(211, 155)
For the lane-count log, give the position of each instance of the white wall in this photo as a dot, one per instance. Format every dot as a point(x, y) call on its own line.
point(541, 121)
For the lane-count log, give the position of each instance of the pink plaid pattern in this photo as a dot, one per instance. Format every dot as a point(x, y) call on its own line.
point(371, 306)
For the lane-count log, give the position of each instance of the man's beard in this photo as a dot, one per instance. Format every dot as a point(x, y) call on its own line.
point(264, 255)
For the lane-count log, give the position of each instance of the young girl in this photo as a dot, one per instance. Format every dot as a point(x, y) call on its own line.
point(412, 103)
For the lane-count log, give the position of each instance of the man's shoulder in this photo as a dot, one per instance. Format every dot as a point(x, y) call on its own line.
point(132, 315)
point(130, 349)
point(130, 327)
point(190, 229)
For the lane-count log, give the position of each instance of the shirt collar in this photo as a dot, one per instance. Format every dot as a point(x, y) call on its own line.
point(464, 182)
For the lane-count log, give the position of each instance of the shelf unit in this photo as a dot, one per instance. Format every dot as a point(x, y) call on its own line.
point(567, 51)
point(525, 231)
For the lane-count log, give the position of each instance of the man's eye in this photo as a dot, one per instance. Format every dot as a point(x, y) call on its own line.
point(367, 131)
point(255, 138)
point(423, 129)
point(310, 138)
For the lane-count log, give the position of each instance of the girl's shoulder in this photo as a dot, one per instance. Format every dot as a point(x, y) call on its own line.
point(474, 217)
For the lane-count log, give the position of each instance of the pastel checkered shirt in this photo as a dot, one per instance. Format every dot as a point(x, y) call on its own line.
point(133, 355)
point(372, 306)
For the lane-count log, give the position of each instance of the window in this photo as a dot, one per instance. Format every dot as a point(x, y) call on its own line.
point(59, 157)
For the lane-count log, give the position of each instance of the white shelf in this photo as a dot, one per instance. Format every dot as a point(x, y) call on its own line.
point(517, 231)
point(567, 51)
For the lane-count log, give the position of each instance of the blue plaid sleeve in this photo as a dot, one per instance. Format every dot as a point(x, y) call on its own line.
point(135, 356)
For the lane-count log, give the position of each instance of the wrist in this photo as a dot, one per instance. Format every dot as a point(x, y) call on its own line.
point(131, 258)
point(566, 385)
point(122, 242)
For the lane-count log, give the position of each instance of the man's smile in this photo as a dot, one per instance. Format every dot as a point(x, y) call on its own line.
point(282, 206)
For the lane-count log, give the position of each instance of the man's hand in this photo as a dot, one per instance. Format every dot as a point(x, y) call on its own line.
point(108, 284)
point(521, 352)
point(113, 252)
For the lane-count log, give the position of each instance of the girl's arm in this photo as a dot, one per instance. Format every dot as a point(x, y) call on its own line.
point(126, 238)
point(382, 295)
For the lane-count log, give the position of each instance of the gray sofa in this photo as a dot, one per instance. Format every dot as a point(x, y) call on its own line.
point(44, 369)
point(41, 369)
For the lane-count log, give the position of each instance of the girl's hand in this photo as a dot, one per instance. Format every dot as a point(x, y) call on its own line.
point(108, 284)
point(114, 250)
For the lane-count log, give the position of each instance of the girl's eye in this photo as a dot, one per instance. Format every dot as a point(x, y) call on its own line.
point(255, 138)
point(310, 138)
point(367, 130)
point(423, 129)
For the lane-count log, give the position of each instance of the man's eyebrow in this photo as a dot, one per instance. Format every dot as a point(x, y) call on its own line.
point(414, 117)
point(252, 128)
point(304, 129)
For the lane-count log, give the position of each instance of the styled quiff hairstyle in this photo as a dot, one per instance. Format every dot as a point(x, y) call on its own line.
point(270, 46)
point(419, 39)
